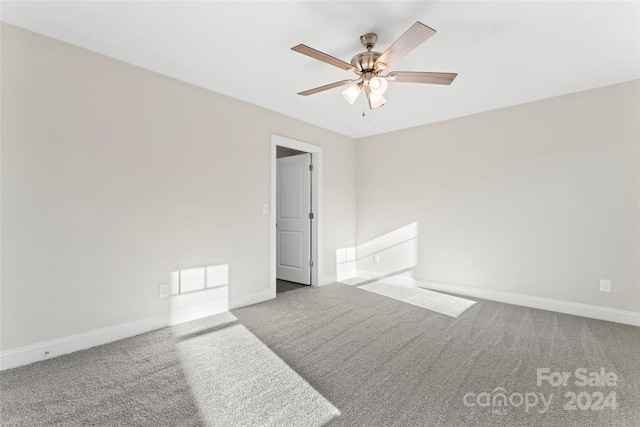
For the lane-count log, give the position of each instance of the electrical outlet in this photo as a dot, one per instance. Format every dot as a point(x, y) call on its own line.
point(376, 259)
point(605, 285)
point(164, 290)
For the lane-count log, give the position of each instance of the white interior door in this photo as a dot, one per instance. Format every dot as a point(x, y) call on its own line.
point(293, 220)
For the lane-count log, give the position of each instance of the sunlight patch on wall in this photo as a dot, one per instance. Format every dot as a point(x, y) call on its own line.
point(345, 263)
point(198, 279)
point(198, 292)
point(390, 254)
point(384, 266)
point(393, 238)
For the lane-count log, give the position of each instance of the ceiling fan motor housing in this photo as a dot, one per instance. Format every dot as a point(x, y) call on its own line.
point(365, 61)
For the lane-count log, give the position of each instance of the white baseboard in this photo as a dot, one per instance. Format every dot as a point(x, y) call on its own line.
point(198, 312)
point(36, 352)
point(344, 275)
point(374, 275)
point(327, 280)
point(48, 349)
point(566, 307)
point(72, 343)
point(251, 299)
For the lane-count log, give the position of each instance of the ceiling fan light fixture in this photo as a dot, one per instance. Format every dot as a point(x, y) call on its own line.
point(376, 101)
point(352, 93)
point(378, 85)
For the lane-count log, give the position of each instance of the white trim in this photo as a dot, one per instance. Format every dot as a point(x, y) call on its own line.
point(194, 313)
point(69, 344)
point(371, 275)
point(344, 275)
point(559, 306)
point(251, 299)
point(327, 280)
point(316, 201)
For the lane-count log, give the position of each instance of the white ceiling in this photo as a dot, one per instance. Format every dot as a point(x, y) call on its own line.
point(506, 53)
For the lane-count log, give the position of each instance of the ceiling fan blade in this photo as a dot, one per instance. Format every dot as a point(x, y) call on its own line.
point(423, 77)
point(316, 54)
point(326, 87)
point(411, 39)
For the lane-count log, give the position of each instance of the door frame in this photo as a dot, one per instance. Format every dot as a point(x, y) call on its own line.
point(316, 207)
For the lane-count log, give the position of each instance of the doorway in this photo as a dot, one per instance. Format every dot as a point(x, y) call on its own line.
point(291, 257)
point(294, 217)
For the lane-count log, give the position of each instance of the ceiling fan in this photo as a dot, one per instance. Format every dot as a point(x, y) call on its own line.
point(369, 65)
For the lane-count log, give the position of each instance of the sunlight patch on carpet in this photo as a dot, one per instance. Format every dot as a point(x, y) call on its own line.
point(449, 305)
point(237, 380)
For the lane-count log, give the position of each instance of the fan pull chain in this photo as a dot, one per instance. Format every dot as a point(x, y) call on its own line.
point(363, 108)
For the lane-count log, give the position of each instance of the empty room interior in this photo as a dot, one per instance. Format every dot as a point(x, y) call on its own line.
point(320, 213)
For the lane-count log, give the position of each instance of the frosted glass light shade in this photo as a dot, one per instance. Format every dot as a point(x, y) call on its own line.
point(378, 86)
point(351, 93)
point(376, 100)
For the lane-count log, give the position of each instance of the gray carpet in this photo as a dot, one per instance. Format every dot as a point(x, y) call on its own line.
point(136, 381)
point(383, 362)
point(345, 357)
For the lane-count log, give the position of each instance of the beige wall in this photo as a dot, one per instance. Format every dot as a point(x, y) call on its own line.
point(114, 176)
point(540, 199)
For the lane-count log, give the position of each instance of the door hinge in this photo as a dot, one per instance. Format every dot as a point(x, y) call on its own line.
point(310, 215)
point(311, 263)
point(310, 168)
